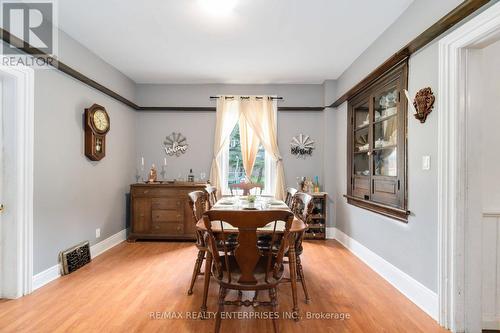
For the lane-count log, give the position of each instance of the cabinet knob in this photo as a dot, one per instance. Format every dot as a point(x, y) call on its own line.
point(157, 227)
point(178, 203)
point(146, 191)
point(142, 215)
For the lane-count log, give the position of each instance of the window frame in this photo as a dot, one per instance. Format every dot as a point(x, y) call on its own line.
point(397, 76)
point(269, 171)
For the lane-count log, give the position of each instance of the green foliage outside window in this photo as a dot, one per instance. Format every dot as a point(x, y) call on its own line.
point(236, 170)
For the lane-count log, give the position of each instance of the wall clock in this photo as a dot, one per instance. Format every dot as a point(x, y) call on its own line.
point(96, 128)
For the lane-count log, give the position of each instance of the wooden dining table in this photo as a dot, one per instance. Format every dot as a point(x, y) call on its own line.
point(262, 203)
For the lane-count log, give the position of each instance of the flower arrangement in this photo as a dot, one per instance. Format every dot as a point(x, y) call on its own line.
point(251, 198)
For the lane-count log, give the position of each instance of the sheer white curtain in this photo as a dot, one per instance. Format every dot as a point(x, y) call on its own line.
point(227, 117)
point(258, 125)
point(261, 115)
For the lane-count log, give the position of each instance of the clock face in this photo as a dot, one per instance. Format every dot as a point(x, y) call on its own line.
point(100, 120)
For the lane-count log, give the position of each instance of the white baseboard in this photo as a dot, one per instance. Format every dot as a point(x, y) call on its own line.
point(330, 233)
point(52, 273)
point(46, 276)
point(108, 243)
point(491, 322)
point(419, 294)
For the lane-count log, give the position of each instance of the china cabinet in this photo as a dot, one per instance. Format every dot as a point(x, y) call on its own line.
point(376, 161)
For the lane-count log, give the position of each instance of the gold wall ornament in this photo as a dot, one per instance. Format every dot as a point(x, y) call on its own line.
point(423, 104)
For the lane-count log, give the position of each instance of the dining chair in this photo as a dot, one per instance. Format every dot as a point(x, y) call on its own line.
point(246, 188)
point(198, 204)
point(302, 207)
point(290, 192)
point(212, 195)
point(247, 268)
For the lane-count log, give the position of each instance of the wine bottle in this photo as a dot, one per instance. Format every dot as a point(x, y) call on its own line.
point(316, 184)
point(191, 176)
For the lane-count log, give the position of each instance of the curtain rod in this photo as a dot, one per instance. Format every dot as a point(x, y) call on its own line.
point(246, 97)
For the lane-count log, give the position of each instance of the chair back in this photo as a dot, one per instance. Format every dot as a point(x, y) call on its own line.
point(198, 205)
point(302, 207)
point(245, 188)
point(212, 195)
point(290, 192)
point(247, 254)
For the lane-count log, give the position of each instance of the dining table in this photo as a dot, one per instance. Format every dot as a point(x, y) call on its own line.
point(261, 203)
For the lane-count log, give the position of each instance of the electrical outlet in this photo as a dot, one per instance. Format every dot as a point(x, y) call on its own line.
point(426, 162)
point(97, 232)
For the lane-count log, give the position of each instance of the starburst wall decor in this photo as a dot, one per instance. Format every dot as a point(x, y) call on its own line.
point(175, 144)
point(302, 146)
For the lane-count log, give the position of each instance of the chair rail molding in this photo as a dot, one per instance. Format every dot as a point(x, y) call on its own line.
point(452, 163)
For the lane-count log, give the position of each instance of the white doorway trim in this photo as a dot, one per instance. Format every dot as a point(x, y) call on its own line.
point(18, 236)
point(452, 173)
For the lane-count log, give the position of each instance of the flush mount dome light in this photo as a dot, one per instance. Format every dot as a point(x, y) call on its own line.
point(218, 7)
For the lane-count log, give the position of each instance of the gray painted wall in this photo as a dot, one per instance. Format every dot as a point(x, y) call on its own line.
point(198, 94)
point(199, 127)
point(420, 15)
point(72, 195)
point(411, 247)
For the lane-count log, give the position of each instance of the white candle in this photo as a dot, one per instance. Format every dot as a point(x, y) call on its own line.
point(165, 161)
point(142, 161)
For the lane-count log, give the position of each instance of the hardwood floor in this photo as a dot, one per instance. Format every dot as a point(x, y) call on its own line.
point(119, 291)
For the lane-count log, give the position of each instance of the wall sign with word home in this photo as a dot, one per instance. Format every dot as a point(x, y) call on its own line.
point(302, 146)
point(175, 144)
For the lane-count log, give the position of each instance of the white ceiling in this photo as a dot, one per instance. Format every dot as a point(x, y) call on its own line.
point(259, 41)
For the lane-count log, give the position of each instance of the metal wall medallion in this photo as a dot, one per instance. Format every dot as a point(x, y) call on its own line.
point(175, 144)
point(302, 146)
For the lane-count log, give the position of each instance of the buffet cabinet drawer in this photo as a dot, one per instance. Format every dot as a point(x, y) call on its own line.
point(155, 192)
point(167, 216)
point(166, 203)
point(168, 228)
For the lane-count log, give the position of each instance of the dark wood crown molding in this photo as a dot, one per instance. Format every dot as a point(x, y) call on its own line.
point(8, 38)
point(449, 20)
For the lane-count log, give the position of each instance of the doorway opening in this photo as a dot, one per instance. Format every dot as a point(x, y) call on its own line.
point(469, 204)
point(16, 180)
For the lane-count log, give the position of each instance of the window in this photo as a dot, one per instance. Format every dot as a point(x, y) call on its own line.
point(232, 167)
point(377, 146)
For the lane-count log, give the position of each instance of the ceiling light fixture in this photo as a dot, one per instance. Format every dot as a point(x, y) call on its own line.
point(218, 7)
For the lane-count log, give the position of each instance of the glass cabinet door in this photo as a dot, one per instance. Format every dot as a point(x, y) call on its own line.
point(361, 150)
point(385, 145)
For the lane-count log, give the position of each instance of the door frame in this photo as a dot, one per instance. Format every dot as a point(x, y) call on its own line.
point(18, 280)
point(453, 103)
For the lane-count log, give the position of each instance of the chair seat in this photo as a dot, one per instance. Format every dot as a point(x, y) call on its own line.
point(259, 274)
point(264, 243)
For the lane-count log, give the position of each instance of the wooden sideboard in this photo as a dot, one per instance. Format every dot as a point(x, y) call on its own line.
point(161, 211)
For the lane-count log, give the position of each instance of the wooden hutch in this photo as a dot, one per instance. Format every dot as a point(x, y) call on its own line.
point(161, 211)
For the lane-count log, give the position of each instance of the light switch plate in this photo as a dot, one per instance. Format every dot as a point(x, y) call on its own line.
point(426, 162)
point(97, 232)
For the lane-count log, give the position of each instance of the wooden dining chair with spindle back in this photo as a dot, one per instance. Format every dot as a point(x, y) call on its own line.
point(247, 268)
point(198, 204)
point(302, 207)
point(290, 192)
point(212, 195)
point(245, 188)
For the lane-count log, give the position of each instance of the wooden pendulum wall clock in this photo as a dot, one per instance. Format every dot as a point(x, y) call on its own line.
point(96, 128)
